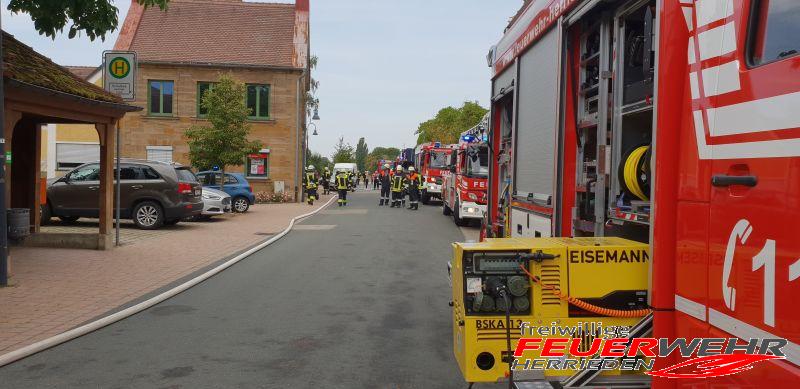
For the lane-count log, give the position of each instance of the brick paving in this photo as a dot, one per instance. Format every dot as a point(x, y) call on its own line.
point(54, 290)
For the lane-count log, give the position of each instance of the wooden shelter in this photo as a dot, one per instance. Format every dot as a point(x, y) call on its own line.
point(38, 92)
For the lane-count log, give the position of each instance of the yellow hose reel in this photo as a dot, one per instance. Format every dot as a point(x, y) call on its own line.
point(634, 172)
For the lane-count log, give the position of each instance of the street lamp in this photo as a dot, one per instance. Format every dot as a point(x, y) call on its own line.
point(316, 115)
point(315, 128)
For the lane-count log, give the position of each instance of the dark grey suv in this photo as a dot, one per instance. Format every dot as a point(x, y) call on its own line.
point(152, 193)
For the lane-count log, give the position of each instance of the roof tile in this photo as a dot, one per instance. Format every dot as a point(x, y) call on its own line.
point(217, 32)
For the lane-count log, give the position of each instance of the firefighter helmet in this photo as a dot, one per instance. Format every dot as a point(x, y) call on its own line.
point(399, 168)
point(385, 165)
point(411, 168)
point(310, 167)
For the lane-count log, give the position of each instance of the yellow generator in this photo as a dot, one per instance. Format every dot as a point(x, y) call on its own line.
point(544, 282)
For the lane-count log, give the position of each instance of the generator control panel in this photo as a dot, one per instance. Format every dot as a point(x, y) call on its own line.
point(486, 272)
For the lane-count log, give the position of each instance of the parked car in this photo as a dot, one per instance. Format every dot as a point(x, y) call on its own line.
point(215, 202)
point(236, 186)
point(152, 193)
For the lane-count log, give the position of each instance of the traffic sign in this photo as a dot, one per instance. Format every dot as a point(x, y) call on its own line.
point(119, 73)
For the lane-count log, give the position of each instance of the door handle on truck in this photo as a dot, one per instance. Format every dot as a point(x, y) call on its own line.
point(94, 187)
point(721, 180)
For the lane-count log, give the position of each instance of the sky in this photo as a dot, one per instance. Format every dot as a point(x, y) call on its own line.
point(384, 66)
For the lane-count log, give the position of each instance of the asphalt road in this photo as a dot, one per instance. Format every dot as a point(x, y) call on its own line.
point(356, 297)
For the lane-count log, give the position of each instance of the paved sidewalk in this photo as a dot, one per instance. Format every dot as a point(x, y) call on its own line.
point(54, 290)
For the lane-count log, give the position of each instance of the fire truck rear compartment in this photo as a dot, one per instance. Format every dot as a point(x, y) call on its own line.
point(612, 58)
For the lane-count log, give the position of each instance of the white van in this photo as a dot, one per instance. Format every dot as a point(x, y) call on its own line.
point(348, 167)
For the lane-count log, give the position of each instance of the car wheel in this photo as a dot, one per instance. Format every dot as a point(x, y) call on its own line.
point(240, 205)
point(446, 210)
point(148, 215)
point(46, 215)
point(68, 219)
point(457, 216)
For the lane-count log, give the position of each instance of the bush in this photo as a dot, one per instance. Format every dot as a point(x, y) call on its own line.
point(272, 198)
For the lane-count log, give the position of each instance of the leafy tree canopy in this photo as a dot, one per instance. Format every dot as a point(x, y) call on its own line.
point(362, 151)
point(449, 123)
point(380, 153)
point(94, 17)
point(319, 161)
point(343, 152)
point(225, 142)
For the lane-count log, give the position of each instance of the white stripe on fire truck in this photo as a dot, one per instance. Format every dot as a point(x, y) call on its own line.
point(721, 79)
point(687, 14)
point(710, 11)
point(743, 330)
point(733, 326)
point(691, 308)
point(717, 41)
point(772, 113)
point(694, 83)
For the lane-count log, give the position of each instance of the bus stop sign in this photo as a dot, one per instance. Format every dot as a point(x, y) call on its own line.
point(119, 73)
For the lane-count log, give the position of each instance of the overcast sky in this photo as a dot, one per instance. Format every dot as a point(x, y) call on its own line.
point(384, 66)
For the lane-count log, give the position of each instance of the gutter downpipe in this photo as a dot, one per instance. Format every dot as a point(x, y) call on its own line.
point(297, 192)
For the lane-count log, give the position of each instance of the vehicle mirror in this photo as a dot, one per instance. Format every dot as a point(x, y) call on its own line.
point(452, 168)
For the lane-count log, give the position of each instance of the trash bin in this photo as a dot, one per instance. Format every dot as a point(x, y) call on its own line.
point(19, 223)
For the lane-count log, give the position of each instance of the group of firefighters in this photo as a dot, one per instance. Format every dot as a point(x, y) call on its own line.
point(396, 184)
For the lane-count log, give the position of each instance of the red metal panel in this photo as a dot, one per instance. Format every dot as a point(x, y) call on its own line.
point(691, 265)
point(672, 66)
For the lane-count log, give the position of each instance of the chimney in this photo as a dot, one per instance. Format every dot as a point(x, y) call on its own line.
point(129, 27)
point(301, 34)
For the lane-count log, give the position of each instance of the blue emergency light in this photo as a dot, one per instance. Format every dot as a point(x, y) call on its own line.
point(437, 144)
point(469, 138)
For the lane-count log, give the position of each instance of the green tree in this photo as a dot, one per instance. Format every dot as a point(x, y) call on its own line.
point(380, 153)
point(319, 161)
point(362, 151)
point(312, 102)
point(94, 17)
point(343, 152)
point(225, 142)
point(450, 122)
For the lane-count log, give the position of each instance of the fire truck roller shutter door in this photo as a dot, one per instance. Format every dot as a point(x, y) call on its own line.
point(537, 119)
point(503, 82)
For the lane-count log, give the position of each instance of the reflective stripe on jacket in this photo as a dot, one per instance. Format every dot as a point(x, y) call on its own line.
point(342, 182)
point(414, 181)
point(311, 180)
point(398, 182)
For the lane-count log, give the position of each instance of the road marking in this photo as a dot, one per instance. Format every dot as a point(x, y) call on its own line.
point(361, 211)
point(314, 227)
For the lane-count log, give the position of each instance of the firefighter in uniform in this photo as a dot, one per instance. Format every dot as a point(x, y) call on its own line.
point(342, 186)
point(326, 181)
point(385, 180)
point(310, 181)
point(398, 185)
point(414, 185)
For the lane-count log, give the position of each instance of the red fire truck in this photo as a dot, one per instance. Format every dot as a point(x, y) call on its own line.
point(464, 189)
point(431, 159)
point(673, 122)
